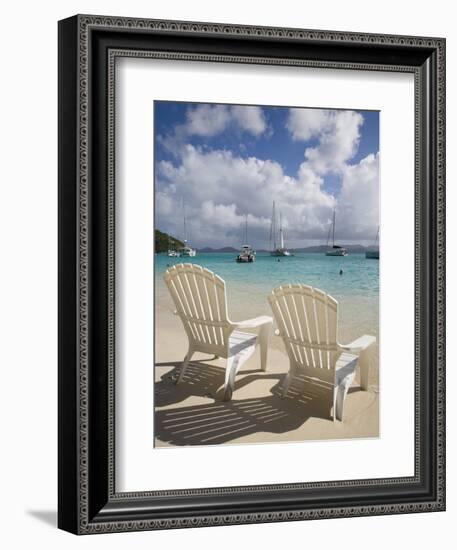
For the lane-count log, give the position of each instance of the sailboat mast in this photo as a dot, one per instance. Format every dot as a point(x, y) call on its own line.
point(328, 236)
point(246, 230)
point(281, 235)
point(185, 227)
point(274, 226)
point(271, 231)
point(333, 238)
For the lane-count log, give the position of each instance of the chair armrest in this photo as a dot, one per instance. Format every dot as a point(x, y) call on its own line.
point(253, 323)
point(358, 345)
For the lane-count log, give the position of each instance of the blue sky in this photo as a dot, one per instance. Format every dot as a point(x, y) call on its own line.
point(228, 161)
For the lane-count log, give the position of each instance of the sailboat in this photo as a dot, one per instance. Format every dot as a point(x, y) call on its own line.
point(172, 252)
point(372, 252)
point(335, 250)
point(247, 254)
point(280, 250)
point(186, 250)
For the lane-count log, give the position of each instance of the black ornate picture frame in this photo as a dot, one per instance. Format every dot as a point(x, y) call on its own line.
point(88, 47)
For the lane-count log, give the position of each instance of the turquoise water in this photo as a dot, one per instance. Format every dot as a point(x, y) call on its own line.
point(357, 289)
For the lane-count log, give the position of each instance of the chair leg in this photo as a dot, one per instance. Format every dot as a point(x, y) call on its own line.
point(334, 404)
point(286, 384)
point(365, 361)
point(231, 368)
point(185, 363)
point(264, 336)
point(340, 393)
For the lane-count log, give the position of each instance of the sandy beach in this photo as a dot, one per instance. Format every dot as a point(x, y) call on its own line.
point(193, 413)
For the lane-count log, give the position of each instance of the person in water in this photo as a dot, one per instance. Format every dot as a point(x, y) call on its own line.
point(341, 272)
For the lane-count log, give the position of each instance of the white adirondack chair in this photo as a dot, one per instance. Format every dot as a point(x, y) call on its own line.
point(200, 300)
point(307, 320)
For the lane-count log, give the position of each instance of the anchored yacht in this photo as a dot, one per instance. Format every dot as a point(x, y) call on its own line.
point(334, 250)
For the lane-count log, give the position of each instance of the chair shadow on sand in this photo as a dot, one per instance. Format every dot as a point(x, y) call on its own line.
point(221, 422)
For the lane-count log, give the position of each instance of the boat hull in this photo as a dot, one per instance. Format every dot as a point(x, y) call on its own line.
point(339, 253)
point(372, 254)
point(245, 259)
point(281, 253)
point(246, 255)
point(190, 252)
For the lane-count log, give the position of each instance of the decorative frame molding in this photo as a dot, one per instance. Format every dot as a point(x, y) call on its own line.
point(88, 502)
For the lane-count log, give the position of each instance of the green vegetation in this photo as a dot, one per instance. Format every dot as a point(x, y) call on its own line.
point(161, 242)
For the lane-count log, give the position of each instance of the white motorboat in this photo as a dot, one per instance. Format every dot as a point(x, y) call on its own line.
point(247, 254)
point(187, 250)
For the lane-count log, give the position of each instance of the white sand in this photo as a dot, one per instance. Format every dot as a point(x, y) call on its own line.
point(193, 413)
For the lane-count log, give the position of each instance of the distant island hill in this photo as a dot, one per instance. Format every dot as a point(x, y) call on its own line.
point(162, 240)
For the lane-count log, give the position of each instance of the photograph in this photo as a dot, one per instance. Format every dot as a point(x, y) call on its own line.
point(266, 286)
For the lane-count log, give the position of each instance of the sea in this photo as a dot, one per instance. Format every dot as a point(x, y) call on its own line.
point(352, 280)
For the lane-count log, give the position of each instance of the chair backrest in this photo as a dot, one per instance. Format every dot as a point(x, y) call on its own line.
point(307, 320)
point(200, 300)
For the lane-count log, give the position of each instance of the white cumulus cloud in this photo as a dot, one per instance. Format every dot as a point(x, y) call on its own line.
point(207, 120)
point(337, 132)
point(249, 118)
point(304, 124)
point(219, 187)
point(358, 201)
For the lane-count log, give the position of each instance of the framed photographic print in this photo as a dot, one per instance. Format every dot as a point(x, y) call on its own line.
point(251, 274)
